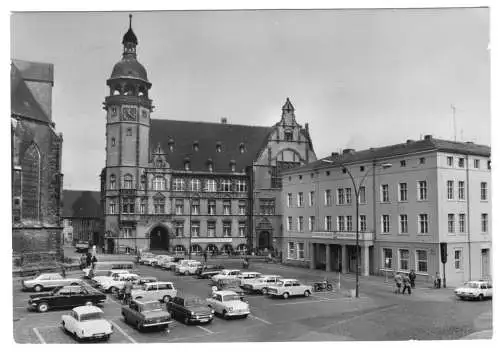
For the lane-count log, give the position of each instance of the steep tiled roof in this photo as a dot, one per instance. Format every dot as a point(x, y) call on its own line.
point(430, 144)
point(81, 204)
point(185, 133)
point(23, 99)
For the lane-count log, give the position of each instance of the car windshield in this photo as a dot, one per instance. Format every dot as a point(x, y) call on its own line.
point(194, 301)
point(229, 298)
point(280, 283)
point(152, 306)
point(90, 316)
point(471, 285)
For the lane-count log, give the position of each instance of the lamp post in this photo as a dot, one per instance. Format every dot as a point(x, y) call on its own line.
point(356, 194)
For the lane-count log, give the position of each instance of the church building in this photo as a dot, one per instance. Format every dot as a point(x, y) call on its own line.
point(186, 186)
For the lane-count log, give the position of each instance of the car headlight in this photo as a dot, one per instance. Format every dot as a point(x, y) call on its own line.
point(192, 313)
point(213, 311)
point(230, 309)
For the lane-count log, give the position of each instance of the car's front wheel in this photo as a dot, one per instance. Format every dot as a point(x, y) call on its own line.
point(43, 307)
point(264, 291)
point(166, 298)
point(286, 295)
point(38, 288)
point(307, 293)
point(481, 297)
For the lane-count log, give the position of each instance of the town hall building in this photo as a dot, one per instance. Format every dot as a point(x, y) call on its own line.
point(187, 186)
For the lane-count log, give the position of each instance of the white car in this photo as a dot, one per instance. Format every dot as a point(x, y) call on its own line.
point(87, 323)
point(155, 291)
point(226, 274)
point(174, 266)
point(228, 304)
point(118, 282)
point(188, 268)
point(149, 260)
point(289, 287)
point(49, 280)
point(475, 290)
point(248, 276)
point(144, 256)
point(164, 259)
point(261, 284)
point(155, 260)
point(112, 274)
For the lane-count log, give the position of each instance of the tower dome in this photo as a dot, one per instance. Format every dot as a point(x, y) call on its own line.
point(128, 66)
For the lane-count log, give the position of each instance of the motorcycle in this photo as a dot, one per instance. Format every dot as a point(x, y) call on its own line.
point(322, 286)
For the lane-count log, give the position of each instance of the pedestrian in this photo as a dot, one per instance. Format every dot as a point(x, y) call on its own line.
point(88, 260)
point(437, 281)
point(83, 261)
point(63, 271)
point(127, 292)
point(406, 284)
point(94, 260)
point(398, 279)
point(205, 256)
point(412, 277)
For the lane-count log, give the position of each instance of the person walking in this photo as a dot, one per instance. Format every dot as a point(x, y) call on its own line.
point(89, 260)
point(94, 260)
point(406, 284)
point(398, 279)
point(205, 256)
point(63, 271)
point(437, 281)
point(127, 292)
point(412, 276)
point(83, 261)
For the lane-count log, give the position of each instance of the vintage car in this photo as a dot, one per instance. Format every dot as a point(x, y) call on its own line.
point(145, 256)
point(228, 304)
point(87, 323)
point(259, 285)
point(65, 297)
point(82, 246)
point(226, 273)
point(231, 284)
point(248, 276)
point(190, 309)
point(118, 282)
point(188, 268)
point(207, 271)
point(111, 275)
point(48, 281)
point(155, 291)
point(477, 290)
point(144, 314)
point(139, 284)
point(289, 287)
point(170, 265)
point(163, 259)
point(149, 260)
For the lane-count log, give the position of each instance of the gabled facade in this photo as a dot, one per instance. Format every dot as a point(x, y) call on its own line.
point(185, 186)
point(36, 164)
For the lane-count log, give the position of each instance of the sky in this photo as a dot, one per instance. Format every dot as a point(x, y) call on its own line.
point(360, 78)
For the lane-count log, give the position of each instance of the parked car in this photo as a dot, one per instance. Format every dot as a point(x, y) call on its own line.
point(190, 309)
point(207, 271)
point(226, 273)
point(475, 290)
point(118, 282)
point(261, 284)
point(102, 268)
point(289, 287)
point(150, 260)
point(159, 291)
point(248, 276)
point(139, 284)
point(170, 265)
point(48, 281)
point(87, 323)
point(144, 314)
point(228, 304)
point(188, 268)
point(82, 246)
point(145, 256)
point(231, 284)
point(110, 275)
point(175, 267)
point(163, 260)
point(66, 297)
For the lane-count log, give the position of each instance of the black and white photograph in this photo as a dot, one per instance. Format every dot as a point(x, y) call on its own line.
point(250, 175)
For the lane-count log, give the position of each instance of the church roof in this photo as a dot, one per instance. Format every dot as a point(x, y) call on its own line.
point(25, 101)
point(81, 204)
point(231, 138)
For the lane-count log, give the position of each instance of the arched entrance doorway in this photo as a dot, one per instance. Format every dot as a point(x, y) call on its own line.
point(264, 240)
point(158, 238)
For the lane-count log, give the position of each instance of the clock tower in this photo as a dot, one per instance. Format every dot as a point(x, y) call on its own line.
point(128, 109)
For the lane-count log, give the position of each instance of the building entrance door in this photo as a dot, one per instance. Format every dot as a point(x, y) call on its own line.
point(485, 263)
point(158, 238)
point(264, 240)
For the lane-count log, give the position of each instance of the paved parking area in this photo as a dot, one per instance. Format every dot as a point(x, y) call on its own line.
point(322, 316)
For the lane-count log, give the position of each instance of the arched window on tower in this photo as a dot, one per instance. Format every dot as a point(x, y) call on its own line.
point(112, 182)
point(127, 181)
point(31, 179)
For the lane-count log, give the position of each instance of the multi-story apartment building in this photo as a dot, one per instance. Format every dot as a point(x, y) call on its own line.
point(413, 197)
point(36, 164)
point(82, 217)
point(187, 186)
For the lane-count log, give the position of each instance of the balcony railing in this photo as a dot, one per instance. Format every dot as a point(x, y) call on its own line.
point(363, 236)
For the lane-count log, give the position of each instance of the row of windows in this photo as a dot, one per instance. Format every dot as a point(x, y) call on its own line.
point(450, 161)
point(211, 229)
point(178, 184)
point(420, 265)
point(450, 190)
point(345, 223)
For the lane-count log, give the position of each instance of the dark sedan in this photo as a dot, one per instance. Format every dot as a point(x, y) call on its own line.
point(190, 309)
point(65, 297)
point(207, 271)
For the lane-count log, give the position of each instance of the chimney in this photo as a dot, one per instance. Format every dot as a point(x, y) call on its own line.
point(335, 155)
point(223, 120)
point(348, 151)
point(408, 141)
point(428, 137)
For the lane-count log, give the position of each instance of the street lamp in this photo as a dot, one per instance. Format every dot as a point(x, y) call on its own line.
point(356, 194)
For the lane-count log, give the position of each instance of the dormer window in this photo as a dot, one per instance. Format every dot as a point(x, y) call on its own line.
point(171, 144)
point(218, 147)
point(242, 148)
point(232, 164)
point(288, 136)
point(187, 163)
point(196, 146)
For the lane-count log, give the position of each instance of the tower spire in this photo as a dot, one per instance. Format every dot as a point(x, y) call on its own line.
point(130, 21)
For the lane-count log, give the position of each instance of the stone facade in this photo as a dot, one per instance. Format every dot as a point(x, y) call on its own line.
point(36, 164)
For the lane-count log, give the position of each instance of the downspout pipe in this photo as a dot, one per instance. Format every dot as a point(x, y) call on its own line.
point(468, 214)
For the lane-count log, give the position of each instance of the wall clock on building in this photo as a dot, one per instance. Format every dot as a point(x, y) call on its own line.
point(129, 114)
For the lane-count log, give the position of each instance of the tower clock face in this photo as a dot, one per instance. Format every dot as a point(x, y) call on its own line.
point(129, 114)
